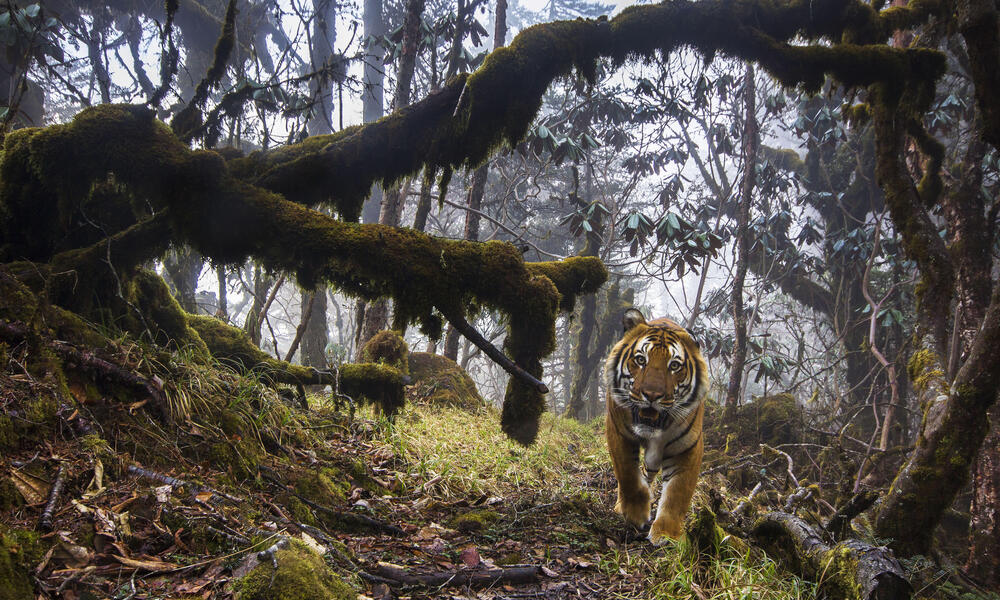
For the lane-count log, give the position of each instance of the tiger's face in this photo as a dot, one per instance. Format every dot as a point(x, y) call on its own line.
point(655, 373)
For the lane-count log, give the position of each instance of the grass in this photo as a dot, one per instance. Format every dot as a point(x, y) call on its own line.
point(467, 455)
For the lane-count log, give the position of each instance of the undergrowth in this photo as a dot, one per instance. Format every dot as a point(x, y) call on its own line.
point(467, 455)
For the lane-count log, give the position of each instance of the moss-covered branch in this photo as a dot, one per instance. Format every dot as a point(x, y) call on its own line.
point(465, 121)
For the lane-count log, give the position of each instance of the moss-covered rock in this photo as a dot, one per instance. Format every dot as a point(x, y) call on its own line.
point(389, 348)
point(301, 575)
point(474, 520)
point(438, 380)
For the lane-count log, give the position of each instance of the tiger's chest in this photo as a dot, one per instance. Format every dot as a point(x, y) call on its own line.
point(661, 444)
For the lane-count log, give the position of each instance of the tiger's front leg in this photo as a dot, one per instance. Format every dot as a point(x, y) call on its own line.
point(633, 492)
point(675, 499)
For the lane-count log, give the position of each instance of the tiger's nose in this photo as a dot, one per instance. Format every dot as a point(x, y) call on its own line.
point(653, 396)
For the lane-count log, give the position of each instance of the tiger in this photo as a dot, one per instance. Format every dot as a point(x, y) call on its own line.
point(656, 379)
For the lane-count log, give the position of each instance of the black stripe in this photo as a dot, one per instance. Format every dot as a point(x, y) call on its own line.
point(685, 432)
point(689, 447)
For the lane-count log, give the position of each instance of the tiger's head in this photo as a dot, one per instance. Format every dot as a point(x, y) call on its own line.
point(656, 372)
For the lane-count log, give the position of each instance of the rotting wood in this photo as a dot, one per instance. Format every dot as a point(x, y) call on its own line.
point(848, 570)
point(45, 522)
point(479, 577)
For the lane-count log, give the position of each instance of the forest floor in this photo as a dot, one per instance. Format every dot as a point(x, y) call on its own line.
point(438, 504)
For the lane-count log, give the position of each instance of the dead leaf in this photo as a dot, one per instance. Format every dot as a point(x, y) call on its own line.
point(203, 496)
point(579, 564)
point(470, 556)
point(33, 489)
point(96, 485)
point(549, 572)
point(137, 405)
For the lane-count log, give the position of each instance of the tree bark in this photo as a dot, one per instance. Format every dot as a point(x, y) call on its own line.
point(373, 95)
point(184, 266)
point(315, 337)
point(751, 143)
point(984, 528)
point(954, 426)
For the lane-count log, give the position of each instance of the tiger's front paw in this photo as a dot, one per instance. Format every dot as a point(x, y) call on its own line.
point(664, 529)
point(634, 507)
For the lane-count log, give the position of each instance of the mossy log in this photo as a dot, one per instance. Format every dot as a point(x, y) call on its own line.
point(849, 570)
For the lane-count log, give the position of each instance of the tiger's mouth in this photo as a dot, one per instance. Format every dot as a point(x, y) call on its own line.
point(649, 413)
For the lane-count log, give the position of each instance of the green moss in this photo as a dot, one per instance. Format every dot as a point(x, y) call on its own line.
point(17, 302)
point(387, 347)
point(439, 381)
point(704, 536)
point(10, 498)
point(379, 384)
point(20, 551)
point(924, 369)
point(325, 486)
point(301, 575)
point(474, 520)
point(8, 434)
point(239, 458)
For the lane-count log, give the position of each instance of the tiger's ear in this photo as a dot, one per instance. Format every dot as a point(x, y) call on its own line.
point(632, 318)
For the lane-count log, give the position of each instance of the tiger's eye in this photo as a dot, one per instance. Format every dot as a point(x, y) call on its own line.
point(640, 360)
point(675, 365)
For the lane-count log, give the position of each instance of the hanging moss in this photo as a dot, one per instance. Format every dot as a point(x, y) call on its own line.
point(379, 384)
point(301, 574)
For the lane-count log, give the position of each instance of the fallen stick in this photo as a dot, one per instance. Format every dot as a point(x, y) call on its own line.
point(45, 523)
point(470, 577)
point(174, 482)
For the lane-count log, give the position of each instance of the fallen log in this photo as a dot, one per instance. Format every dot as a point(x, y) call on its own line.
point(478, 577)
point(848, 570)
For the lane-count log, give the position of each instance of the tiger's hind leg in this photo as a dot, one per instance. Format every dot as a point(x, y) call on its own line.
point(675, 498)
point(633, 492)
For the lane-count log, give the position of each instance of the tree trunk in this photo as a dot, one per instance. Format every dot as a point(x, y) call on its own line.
point(589, 352)
point(373, 94)
point(314, 339)
point(751, 144)
point(451, 344)
point(984, 528)
point(261, 284)
point(222, 311)
point(954, 426)
point(184, 268)
point(477, 189)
